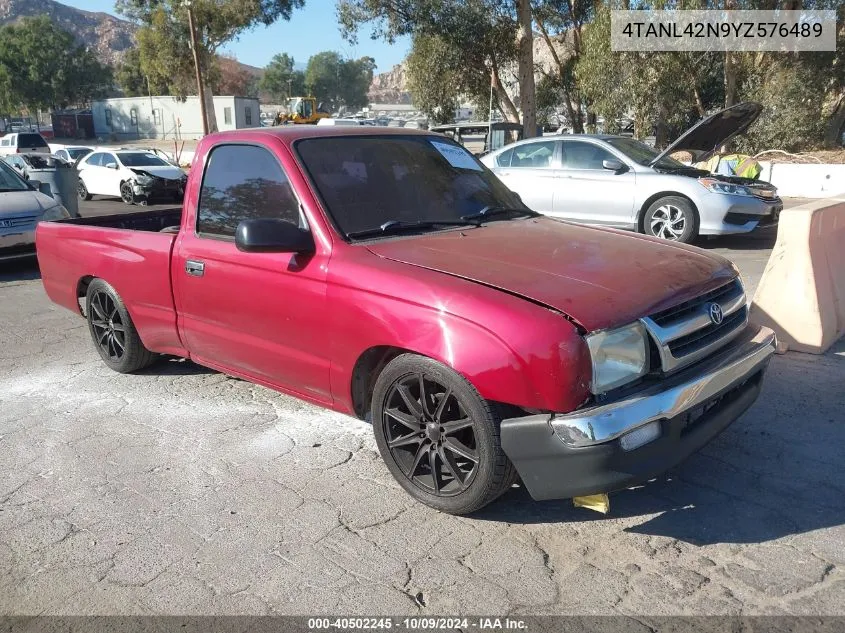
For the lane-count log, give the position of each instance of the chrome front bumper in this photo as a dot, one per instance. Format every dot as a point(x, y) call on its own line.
point(564, 455)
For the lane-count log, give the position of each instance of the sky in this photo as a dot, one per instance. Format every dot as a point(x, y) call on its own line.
point(310, 30)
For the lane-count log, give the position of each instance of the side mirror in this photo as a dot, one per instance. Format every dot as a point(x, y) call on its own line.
point(613, 165)
point(111, 165)
point(270, 235)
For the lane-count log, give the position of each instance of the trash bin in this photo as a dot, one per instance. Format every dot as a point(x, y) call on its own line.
point(62, 181)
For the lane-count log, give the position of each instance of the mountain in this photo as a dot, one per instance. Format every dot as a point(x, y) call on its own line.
point(107, 36)
point(390, 86)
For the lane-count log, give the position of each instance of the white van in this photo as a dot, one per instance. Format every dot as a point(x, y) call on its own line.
point(23, 142)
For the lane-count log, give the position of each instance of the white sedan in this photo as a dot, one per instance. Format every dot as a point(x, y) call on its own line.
point(134, 176)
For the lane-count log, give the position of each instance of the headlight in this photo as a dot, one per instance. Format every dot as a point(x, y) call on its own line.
point(55, 213)
point(143, 179)
point(619, 356)
point(718, 186)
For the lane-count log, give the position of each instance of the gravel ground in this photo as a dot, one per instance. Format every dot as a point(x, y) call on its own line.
point(182, 491)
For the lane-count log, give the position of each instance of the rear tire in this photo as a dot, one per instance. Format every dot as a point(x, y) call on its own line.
point(438, 437)
point(113, 331)
point(82, 190)
point(671, 218)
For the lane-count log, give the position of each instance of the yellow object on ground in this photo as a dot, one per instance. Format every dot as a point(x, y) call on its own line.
point(599, 503)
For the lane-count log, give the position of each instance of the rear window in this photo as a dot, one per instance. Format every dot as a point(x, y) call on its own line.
point(31, 140)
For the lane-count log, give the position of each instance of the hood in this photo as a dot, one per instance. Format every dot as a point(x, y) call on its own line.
point(600, 278)
point(168, 172)
point(704, 138)
point(24, 203)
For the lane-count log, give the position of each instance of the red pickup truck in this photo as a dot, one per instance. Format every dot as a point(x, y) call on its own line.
point(387, 274)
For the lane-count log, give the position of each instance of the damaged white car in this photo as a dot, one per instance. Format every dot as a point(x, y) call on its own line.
point(134, 176)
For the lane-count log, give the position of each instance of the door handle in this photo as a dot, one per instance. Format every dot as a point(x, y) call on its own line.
point(195, 268)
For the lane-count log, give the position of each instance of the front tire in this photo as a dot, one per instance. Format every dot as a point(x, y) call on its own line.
point(671, 218)
point(438, 437)
point(126, 193)
point(113, 331)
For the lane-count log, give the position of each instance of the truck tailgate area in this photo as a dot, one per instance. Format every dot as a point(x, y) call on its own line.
point(128, 251)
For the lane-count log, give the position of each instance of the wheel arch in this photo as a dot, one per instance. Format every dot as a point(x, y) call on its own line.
point(366, 371)
point(664, 194)
point(82, 291)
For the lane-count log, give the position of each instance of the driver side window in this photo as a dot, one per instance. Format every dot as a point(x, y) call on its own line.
point(243, 182)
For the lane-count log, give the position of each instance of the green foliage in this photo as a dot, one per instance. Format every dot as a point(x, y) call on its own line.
point(164, 38)
point(473, 36)
point(280, 80)
point(337, 81)
point(42, 67)
point(433, 68)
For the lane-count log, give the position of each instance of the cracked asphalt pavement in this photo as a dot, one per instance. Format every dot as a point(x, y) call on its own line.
point(183, 491)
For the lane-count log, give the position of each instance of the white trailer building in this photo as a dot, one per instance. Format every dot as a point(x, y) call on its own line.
point(168, 117)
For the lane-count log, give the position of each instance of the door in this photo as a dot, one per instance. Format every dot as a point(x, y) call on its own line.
point(531, 169)
point(590, 193)
point(91, 173)
point(260, 314)
point(110, 174)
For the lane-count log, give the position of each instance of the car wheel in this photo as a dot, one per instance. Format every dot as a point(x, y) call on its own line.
point(438, 437)
point(113, 331)
point(126, 193)
point(82, 190)
point(671, 218)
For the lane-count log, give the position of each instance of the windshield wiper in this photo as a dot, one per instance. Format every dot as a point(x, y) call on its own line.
point(398, 226)
point(493, 210)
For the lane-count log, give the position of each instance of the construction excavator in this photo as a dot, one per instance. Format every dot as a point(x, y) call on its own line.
point(302, 110)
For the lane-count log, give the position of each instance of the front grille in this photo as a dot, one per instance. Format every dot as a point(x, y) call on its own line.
point(688, 332)
point(17, 222)
point(684, 309)
point(702, 338)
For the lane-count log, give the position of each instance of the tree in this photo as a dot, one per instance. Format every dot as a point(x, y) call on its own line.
point(337, 81)
point(33, 76)
point(232, 79)
point(434, 77)
point(525, 46)
point(484, 31)
point(281, 80)
point(165, 37)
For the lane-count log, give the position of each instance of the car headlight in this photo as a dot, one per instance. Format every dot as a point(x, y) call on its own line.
point(719, 186)
point(619, 356)
point(143, 179)
point(55, 213)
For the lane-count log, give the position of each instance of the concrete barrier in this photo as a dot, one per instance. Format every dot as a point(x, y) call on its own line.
point(801, 294)
point(805, 181)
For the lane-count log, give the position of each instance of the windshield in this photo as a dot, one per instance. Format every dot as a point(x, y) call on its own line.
point(366, 181)
point(76, 153)
point(9, 180)
point(641, 153)
point(141, 159)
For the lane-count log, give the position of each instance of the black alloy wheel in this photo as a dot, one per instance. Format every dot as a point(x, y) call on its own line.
point(112, 330)
point(438, 437)
point(430, 435)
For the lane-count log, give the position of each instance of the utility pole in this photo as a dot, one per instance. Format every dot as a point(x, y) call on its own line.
point(200, 87)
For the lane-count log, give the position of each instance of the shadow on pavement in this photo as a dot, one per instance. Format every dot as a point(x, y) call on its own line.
point(777, 471)
point(174, 366)
point(20, 270)
point(760, 240)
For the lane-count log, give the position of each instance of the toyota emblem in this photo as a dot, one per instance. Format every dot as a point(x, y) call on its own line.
point(716, 313)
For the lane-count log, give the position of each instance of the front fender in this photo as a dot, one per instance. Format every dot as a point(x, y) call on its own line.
point(513, 351)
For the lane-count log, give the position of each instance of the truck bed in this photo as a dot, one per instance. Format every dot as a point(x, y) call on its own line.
point(153, 220)
point(131, 252)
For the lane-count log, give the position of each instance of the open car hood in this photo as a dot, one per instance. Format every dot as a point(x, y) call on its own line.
point(704, 138)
